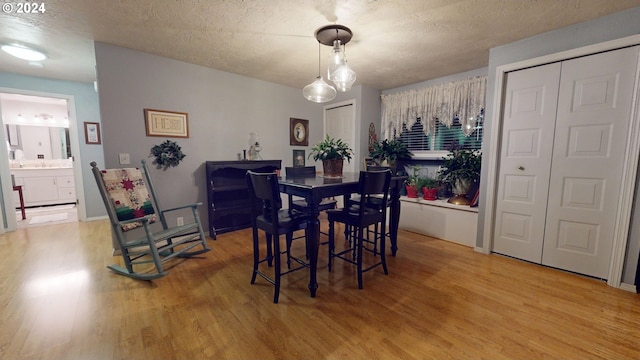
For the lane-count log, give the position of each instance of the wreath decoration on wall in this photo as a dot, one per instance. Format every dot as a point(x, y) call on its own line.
point(167, 154)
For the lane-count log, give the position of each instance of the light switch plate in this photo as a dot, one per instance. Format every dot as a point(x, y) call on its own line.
point(124, 159)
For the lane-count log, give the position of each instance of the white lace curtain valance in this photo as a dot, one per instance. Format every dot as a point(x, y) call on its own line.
point(463, 99)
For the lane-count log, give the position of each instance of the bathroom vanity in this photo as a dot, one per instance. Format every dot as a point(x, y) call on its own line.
point(44, 186)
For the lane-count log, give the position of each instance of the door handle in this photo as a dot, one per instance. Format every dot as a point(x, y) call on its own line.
point(521, 168)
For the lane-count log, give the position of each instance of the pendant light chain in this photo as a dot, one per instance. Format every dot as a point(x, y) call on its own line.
point(319, 58)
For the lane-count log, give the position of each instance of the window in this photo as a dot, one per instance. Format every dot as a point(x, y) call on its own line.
point(441, 138)
point(462, 98)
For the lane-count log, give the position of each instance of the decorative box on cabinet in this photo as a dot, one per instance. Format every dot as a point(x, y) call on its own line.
point(229, 204)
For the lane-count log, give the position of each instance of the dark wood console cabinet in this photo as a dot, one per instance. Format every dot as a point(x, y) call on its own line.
point(228, 197)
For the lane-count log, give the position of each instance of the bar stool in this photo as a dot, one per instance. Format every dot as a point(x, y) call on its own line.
point(274, 221)
point(371, 184)
point(18, 188)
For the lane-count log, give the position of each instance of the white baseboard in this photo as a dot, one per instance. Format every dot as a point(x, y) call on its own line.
point(628, 287)
point(96, 218)
point(481, 250)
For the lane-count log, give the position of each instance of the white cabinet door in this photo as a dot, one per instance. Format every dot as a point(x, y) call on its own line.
point(38, 189)
point(561, 162)
point(594, 109)
point(525, 161)
point(339, 123)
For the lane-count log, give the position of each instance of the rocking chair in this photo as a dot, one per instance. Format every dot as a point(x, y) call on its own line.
point(131, 202)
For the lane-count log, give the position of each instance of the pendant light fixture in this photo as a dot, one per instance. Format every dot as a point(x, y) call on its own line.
point(319, 91)
point(338, 71)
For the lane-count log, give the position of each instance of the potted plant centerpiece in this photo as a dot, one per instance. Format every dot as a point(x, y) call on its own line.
point(332, 152)
point(461, 170)
point(387, 152)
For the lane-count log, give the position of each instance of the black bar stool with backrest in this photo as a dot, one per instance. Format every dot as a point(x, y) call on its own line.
point(371, 184)
point(274, 221)
point(301, 204)
point(375, 202)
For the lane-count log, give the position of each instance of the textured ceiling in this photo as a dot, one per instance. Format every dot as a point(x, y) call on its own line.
point(395, 42)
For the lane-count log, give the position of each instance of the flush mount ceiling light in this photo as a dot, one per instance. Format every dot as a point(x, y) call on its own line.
point(338, 71)
point(23, 52)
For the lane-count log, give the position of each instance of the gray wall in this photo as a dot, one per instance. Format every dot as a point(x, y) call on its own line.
point(87, 109)
point(603, 29)
point(223, 108)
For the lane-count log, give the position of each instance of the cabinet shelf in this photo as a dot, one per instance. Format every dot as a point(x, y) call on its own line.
point(229, 206)
point(229, 203)
point(218, 188)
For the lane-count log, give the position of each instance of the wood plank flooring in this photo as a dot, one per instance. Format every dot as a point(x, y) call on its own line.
point(439, 301)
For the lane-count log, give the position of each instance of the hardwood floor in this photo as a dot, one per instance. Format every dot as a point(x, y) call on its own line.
point(439, 301)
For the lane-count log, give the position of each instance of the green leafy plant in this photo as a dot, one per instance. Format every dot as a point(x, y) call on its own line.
point(390, 150)
point(461, 164)
point(331, 148)
point(167, 154)
point(427, 182)
point(414, 178)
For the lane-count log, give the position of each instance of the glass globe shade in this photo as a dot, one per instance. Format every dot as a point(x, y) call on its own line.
point(344, 77)
point(336, 60)
point(319, 91)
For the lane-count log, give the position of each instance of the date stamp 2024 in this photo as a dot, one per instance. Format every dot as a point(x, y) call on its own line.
point(26, 8)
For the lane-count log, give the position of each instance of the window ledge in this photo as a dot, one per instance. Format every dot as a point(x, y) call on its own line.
point(428, 155)
point(440, 203)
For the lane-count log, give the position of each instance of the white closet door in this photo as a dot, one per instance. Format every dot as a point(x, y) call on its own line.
point(594, 110)
point(527, 137)
point(339, 123)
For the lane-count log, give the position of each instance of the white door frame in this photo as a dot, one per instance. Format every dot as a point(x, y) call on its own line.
point(630, 167)
point(5, 175)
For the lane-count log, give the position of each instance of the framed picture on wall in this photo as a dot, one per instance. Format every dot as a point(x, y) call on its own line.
point(166, 123)
point(298, 132)
point(92, 133)
point(298, 158)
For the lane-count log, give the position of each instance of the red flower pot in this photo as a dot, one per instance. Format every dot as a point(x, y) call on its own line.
point(412, 191)
point(430, 193)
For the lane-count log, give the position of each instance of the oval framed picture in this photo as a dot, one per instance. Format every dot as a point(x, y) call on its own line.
point(298, 132)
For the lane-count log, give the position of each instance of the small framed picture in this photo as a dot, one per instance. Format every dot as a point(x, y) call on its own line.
point(298, 132)
point(298, 158)
point(166, 123)
point(92, 133)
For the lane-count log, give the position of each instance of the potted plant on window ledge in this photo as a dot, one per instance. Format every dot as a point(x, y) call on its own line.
point(429, 190)
point(413, 182)
point(387, 152)
point(461, 170)
point(332, 152)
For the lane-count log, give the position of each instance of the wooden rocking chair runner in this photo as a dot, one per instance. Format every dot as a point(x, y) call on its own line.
point(131, 202)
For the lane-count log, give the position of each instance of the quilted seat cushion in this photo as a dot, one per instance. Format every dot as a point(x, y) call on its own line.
point(129, 195)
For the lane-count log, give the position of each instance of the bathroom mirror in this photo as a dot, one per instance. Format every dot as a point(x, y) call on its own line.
point(31, 141)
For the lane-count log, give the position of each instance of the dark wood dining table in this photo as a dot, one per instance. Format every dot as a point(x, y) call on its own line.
point(314, 189)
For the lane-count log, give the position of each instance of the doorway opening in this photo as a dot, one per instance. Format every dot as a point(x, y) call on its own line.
point(40, 159)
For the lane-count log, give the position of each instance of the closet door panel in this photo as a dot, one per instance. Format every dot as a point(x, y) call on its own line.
point(527, 135)
point(594, 110)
